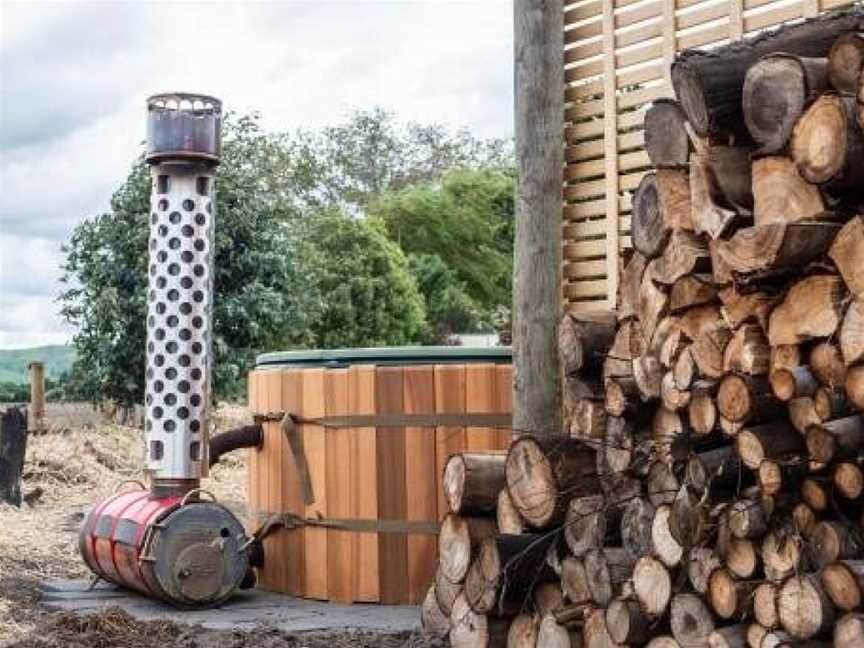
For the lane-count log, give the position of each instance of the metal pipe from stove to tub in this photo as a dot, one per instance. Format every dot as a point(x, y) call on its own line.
point(183, 149)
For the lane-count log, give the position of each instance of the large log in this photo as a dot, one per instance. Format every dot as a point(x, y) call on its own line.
point(770, 249)
point(544, 473)
point(709, 83)
point(828, 145)
point(835, 439)
point(845, 62)
point(508, 516)
point(636, 526)
point(855, 386)
point(472, 481)
point(796, 382)
point(666, 140)
point(812, 308)
point(781, 554)
point(776, 90)
point(843, 581)
point(781, 195)
point(553, 634)
point(628, 286)
point(848, 480)
point(765, 605)
point(469, 629)
point(586, 524)
point(459, 541)
point(584, 340)
point(847, 253)
point(701, 562)
point(432, 617)
point(652, 585)
point(691, 621)
point(505, 572)
point(523, 630)
point(774, 440)
point(826, 363)
point(684, 254)
point(730, 598)
point(849, 630)
point(742, 398)
point(831, 541)
point(734, 636)
point(673, 189)
point(649, 231)
point(664, 546)
point(13, 447)
point(626, 622)
point(852, 333)
point(804, 608)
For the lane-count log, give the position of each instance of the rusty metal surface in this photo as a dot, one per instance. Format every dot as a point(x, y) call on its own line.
point(184, 126)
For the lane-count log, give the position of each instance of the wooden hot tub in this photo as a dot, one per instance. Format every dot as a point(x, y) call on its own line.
point(376, 427)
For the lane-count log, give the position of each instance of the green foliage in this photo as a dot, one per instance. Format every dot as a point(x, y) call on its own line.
point(366, 296)
point(58, 358)
point(466, 220)
point(449, 307)
point(371, 153)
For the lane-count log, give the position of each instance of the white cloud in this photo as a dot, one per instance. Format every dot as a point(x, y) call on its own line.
point(74, 76)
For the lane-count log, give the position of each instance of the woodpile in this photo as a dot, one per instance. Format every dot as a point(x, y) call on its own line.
point(709, 488)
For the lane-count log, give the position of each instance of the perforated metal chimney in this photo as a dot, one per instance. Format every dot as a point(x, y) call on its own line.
point(183, 149)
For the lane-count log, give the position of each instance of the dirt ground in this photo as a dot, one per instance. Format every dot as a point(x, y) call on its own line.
point(78, 461)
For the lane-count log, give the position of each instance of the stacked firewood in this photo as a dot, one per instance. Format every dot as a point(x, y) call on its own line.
point(710, 489)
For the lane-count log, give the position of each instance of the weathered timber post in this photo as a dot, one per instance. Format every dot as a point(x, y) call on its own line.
point(37, 397)
point(13, 445)
point(539, 95)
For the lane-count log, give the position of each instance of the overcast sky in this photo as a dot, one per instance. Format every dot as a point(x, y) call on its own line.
point(74, 76)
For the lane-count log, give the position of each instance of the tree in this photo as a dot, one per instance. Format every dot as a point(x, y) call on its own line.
point(449, 307)
point(371, 153)
point(261, 302)
point(466, 220)
point(365, 295)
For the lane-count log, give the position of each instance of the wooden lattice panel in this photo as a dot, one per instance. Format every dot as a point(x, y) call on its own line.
point(617, 57)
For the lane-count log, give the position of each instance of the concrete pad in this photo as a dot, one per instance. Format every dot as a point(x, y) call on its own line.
point(246, 610)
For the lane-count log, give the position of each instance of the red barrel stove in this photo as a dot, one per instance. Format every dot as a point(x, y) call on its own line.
point(172, 541)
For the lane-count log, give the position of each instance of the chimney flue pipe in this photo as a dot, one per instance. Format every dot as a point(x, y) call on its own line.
point(183, 149)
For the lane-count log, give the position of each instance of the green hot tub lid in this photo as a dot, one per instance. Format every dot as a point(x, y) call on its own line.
point(414, 355)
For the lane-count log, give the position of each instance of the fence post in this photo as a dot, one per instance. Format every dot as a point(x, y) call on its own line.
point(36, 418)
point(539, 126)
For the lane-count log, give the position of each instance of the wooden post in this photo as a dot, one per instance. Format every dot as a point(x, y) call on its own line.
point(37, 397)
point(13, 444)
point(539, 74)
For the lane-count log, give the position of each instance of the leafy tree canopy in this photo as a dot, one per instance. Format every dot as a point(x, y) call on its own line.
point(365, 294)
point(466, 220)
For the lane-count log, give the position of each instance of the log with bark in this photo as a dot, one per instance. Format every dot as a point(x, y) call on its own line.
point(666, 140)
point(472, 482)
point(709, 83)
point(544, 473)
point(827, 143)
point(776, 90)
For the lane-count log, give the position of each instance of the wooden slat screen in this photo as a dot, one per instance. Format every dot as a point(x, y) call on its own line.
point(617, 57)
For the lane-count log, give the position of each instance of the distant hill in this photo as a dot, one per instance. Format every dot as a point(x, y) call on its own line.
point(13, 362)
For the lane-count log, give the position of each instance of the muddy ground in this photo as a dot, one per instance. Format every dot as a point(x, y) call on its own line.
point(78, 461)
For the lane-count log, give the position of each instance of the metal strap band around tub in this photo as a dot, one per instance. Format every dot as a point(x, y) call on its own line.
point(467, 419)
point(292, 521)
point(288, 423)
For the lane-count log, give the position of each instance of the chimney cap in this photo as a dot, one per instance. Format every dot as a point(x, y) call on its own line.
point(184, 127)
